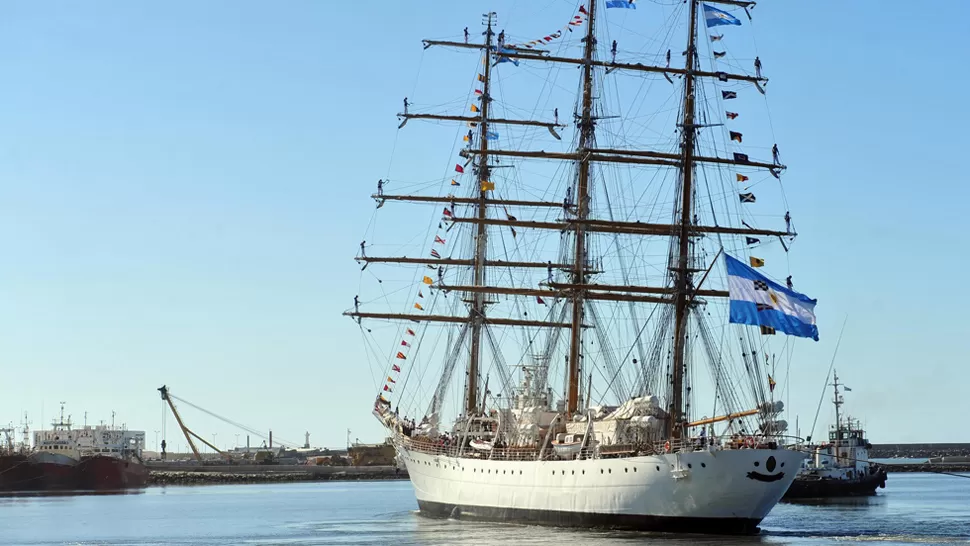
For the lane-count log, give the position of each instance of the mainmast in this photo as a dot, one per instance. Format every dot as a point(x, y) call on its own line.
point(683, 273)
point(477, 315)
point(586, 127)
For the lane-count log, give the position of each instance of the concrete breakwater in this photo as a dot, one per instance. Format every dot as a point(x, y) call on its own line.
point(231, 474)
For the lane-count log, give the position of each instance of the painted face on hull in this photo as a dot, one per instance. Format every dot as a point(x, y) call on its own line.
point(770, 465)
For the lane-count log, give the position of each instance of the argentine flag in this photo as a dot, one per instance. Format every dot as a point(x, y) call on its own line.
point(759, 301)
point(715, 17)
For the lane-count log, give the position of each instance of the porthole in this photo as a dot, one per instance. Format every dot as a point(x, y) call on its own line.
point(574, 472)
point(610, 470)
point(584, 472)
point(520, 472)
point(703, 465)
point(756, 463)
point(601, 471)
point(690, 465)
point(658, 469)
point(626, 470)
point(634, 469)
point(563, 472)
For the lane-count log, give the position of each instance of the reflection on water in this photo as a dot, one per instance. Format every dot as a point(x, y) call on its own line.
point(74, 493)
point(913, 509)
point(846, 502)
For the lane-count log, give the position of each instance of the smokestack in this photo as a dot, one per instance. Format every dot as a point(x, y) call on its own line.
point(247, 444)
point(271, 439)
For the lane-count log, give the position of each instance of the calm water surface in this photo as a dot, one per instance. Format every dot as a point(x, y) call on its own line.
point(913, 509)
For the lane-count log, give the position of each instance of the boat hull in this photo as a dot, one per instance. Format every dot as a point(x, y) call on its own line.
point(720, 492)
point(814, 488)
point(17, 473)
point(58, 471)
point(110, 473)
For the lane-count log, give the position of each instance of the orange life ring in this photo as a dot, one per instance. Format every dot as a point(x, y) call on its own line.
point(667, 446)
point(749, 441)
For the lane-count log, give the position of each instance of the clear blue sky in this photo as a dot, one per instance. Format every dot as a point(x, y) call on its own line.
point(183, 186)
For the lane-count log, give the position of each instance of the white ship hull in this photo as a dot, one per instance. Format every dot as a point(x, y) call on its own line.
point(722, 491)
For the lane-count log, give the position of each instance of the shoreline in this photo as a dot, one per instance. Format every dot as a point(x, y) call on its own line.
point(925, 467)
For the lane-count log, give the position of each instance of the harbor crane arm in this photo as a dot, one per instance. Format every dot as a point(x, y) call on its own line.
point(185, 430)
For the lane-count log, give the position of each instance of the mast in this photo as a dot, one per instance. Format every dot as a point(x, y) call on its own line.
point(477, 315)
point(577, 288)
point(683, 272)
point(586, 127)
point(838, 402)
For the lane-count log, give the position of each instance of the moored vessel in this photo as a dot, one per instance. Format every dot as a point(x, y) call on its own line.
point(56, 456)
point(638, 290)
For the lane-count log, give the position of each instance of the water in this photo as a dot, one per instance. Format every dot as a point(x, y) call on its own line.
point(913, 509)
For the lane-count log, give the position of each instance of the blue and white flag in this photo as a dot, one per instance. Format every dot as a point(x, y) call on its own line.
point(513, 60)
point(759, 301)
point(491, 135)
point(715, 17)
point(621, 4)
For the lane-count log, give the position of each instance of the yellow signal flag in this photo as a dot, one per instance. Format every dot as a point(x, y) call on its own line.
point(454, 182)
point(466, 138)
point(474, 108)
point(756, 262)
point(481, 77)
point(742, 178)
point(488, 186)
point(418, 307)
point(427, 280)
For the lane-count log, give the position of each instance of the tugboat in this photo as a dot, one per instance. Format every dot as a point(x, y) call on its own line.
point(840, 467)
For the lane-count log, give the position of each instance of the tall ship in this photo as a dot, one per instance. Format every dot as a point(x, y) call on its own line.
point(839, 467)
point(630, 263)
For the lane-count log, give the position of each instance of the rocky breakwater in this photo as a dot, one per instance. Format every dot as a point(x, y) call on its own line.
point(926, 467)
point(223, 474)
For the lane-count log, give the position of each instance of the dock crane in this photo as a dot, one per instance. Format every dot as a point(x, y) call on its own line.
point(167, 396)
